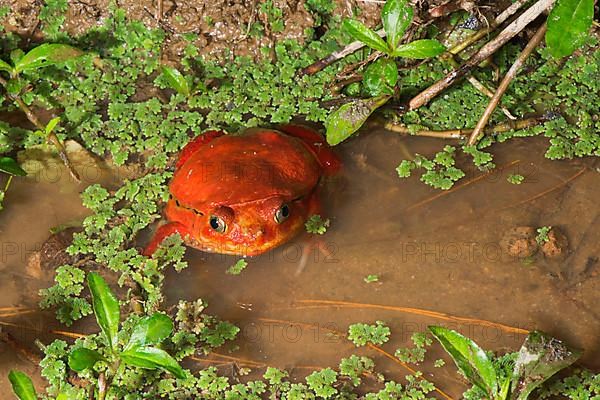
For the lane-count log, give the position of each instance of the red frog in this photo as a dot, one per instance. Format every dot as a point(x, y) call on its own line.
point(246, 194)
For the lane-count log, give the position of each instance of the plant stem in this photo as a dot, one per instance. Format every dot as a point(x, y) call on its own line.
point(486, 51)
point(336, 55)
point(52, 138)
point(510, 75)
point(464, 133)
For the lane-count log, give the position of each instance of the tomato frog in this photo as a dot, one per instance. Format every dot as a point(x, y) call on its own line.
point(246, 194)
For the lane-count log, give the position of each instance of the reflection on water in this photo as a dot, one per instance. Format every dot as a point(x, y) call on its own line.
point(432, 250)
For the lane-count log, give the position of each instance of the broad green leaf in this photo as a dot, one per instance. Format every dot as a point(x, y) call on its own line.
point(106, 307)
point(52, 124)
point(540, 357)
point(347, 119)
point(176, 80)
point(568, 25)
point(150, 330)
point(469, 358)
point(396, 16)
point(152, 358)
point(82, 358)
point(420, 49)
point(22, 385)
point(4, 66)
point(380, 77)
point(360, 32)
point(10, 166)
point(46, 54)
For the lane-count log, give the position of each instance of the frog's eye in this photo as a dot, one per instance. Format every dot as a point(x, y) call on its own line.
point(218, 224)
point(282, 213)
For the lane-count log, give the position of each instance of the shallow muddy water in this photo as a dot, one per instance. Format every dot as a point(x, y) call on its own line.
point(432, 250)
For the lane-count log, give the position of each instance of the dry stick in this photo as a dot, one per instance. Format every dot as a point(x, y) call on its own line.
point(481, 87)
point(490, 48)
point(503, 16)
point(510, 75)
point(336, 55)
point(463, 133)
point(417, 311)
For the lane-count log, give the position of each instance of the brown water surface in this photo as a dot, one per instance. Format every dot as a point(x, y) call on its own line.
point(432, 250)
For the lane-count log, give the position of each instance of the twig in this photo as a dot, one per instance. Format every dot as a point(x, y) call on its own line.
point(336, 55)
point(490, 48)
point(481, 87)
point(503, 16)
point(19, 347)
point(462, 185)
point(417, 311)
point(510, 75)
point(159, 10)
point(463, 133)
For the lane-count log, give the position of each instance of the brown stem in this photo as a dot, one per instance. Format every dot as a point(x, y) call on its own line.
point(52, 138)
point(337, 55)
point(510, 75)
point(486, 51)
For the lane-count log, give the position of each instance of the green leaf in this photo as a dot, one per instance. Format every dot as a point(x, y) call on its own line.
point(4, 66)
point(568, 24)
point(469, 358)
point(420, 49)
point(151, 329)
point(540, 357)
point(22, 385)
point(152, 358)
point(46, 54)
point(82, 358)
point(347, 119)
point(380, 77)
point(360, 32)
point(176, 80)
point(396, 16)
point(106, 307)
point(51, 125)
point(10, 166)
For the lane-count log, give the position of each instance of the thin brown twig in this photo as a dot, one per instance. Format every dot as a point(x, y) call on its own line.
point(418, 311)
point(486, 51)
point(455, 188)
point(499, 20)
point(508, 78)
point(552, 189)
point(336, 55)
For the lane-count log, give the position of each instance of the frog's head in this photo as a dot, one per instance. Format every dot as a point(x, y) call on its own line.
point(247, 229)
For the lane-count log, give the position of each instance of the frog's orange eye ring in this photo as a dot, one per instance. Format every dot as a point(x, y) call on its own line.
point(282, 213)
point(217, 224)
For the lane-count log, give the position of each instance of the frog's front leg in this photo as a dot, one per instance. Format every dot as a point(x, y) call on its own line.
point(163, 232)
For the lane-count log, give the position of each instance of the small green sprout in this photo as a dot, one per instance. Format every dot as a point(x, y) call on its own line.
point(238, 267)
point(515, 179)
point(542, 234)
point(371, 278)
point(317, 225)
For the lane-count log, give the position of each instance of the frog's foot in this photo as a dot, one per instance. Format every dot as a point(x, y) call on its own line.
point(195, 144)
point(329, 161)
point(318, 249)
point(162, 233)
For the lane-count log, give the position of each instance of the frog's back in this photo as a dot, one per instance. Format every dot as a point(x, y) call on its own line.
point(256, 165)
